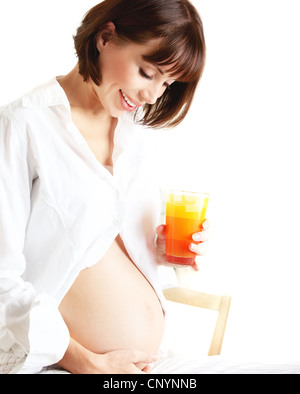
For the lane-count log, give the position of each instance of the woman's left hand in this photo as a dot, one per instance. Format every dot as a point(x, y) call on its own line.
point(199, 247)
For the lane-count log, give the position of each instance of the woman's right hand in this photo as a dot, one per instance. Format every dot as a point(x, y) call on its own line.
point(198, 248)
point(121, 362)
point(79, 360)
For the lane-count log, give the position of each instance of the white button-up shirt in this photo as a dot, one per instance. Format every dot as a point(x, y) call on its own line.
point(60, 210)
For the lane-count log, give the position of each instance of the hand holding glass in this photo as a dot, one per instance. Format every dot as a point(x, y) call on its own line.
point(185, 213)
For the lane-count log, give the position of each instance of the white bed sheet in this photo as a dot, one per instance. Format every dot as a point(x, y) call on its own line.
point(211, 365)
point(180, 364)
point(220, 365)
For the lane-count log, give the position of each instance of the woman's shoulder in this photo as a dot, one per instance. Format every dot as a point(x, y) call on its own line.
point(44, 95)
point(9, 114)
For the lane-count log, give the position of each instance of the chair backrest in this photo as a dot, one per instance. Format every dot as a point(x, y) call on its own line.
point(218, 303)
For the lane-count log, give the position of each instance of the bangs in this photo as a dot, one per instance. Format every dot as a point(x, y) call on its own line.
point(178, 29)
point(182, 54)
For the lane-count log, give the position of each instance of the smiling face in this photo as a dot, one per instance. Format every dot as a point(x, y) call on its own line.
point(128, 81)
point(176, 29)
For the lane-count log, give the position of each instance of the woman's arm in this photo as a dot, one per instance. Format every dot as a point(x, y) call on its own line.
point(79, 360)
point(27, 319)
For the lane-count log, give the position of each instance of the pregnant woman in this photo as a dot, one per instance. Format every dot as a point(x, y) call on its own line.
point(79, 246)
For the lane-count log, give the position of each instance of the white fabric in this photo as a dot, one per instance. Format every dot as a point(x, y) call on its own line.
point(11, 360)
point(221, 365)
point(211, 365)
point(60, 210)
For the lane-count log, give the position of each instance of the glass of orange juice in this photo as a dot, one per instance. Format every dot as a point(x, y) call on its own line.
point(185, 213)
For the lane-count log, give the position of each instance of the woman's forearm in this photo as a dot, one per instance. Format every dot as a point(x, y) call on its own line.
point(79, 360)
point(76, 359)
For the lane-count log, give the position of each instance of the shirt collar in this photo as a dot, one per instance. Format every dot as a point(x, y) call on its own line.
point(52, 94)
point(46, 95)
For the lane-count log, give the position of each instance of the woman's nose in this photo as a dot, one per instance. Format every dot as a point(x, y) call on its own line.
point(151, 94)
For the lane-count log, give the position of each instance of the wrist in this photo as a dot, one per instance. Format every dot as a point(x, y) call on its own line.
point(77, 359)
point(94, 363)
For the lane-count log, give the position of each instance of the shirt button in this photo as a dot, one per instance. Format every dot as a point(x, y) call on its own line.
point(116, 222)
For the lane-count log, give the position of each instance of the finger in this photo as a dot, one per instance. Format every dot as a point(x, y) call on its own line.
point(161, 231)
point(206, 224)
point(161, 244)
point(195, 266)
point(161, 238)
point(201, 236)
point(147, 369)
point(137, 370)
point(199, 250)
point(143, 357)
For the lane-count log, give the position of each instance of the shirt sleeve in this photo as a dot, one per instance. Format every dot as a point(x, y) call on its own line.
point(29, 320)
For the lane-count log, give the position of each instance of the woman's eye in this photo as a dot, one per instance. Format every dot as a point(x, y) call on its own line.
point(150, 78)
point(143, 74)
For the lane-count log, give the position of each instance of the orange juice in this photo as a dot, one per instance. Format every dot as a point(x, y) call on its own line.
point(185, 213)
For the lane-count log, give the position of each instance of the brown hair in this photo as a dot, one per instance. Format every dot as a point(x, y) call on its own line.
point(182, 47)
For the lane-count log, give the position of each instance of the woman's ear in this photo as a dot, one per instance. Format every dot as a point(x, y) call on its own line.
point(105, 35)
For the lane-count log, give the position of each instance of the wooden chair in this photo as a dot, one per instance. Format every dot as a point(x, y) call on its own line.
point(221, 304)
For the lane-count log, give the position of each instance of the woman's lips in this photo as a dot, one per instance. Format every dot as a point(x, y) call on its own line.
point(127, 103)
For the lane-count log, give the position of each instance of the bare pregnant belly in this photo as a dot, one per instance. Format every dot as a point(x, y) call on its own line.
point(112, 306)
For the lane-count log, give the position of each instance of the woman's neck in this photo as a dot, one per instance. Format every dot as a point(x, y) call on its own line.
point(81, 94)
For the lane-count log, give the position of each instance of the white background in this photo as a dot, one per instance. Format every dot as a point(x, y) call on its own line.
point(240, 143)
